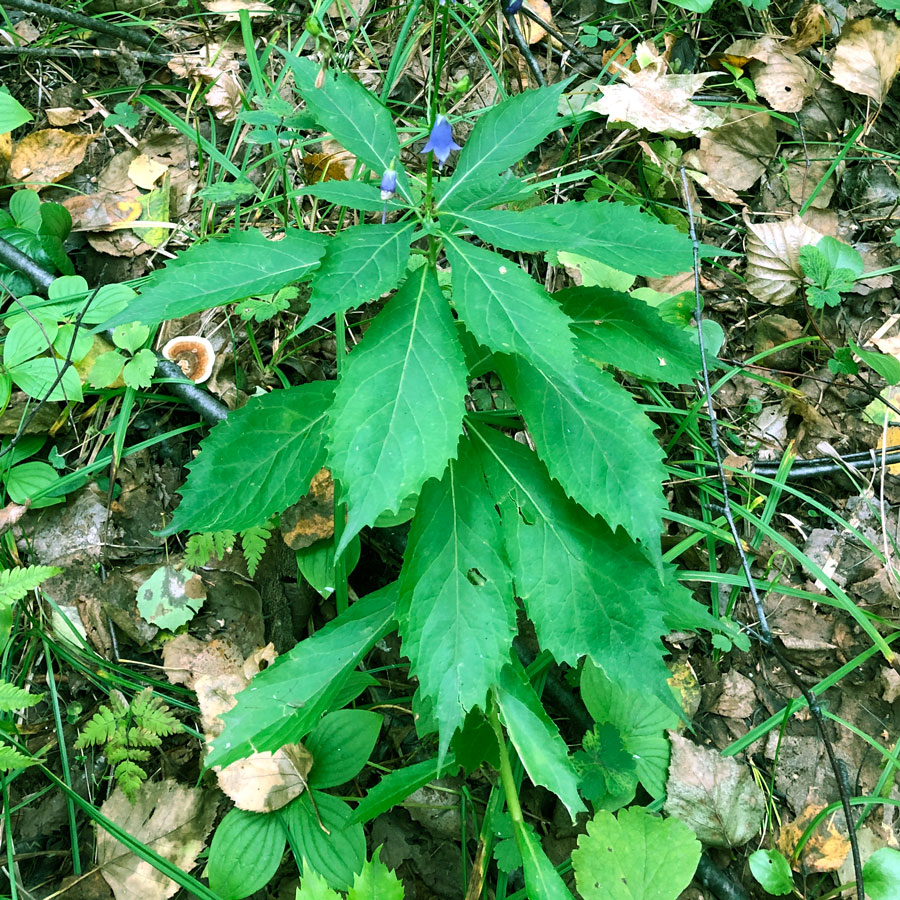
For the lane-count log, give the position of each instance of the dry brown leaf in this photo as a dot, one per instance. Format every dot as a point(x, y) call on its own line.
point(826, 849)
point(659, 102)
point(773, 258)
point(620, 58)
point(737, 152)
point(348, 9)
point(171, 819)
point(311, 519)
point(785, 81)
point(186, 658)
point(713, 794)
point(60, 116)
point(27, 30)
point(531, 31)
point(803, 178)
point(265, 782)
point(224, 94)
point(11, 513)
point(5, 154)
point(47, 156)
point(867, 57)
point(145, 171)
point(809, 26)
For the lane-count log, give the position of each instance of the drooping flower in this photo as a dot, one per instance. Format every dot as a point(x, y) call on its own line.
point(513, 7)
point(388, 187)
point(440, 141)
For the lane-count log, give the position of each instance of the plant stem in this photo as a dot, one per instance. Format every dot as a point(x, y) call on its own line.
point(507, 779)
point(341, 588)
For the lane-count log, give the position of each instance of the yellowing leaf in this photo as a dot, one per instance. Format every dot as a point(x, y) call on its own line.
point(45, 157)
point(826, 849)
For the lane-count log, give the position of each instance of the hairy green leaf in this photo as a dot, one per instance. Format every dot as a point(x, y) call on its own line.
point(351, 114)
point(618, 235)
point(284, 702)
point(456, 610)
point(615, 329)
point(596, 443)
point(257, 462)
point(588, 591)
point(398, 407)
point(501, 138)
point(360, 264)
point(536, 738)
point(505, 309)
point(241, 264)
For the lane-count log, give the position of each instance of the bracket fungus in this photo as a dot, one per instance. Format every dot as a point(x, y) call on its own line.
point(193, 354)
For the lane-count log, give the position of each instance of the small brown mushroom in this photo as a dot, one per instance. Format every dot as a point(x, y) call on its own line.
point(193, 354)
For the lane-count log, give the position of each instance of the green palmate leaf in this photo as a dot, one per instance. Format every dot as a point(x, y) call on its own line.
point(284, 702)
point(241, 264)
point(541, 878)
point(882, 874)
point(352, 115)
point(337, 851)
point(456, 609)
point(612, 328)
point(616, 234)
point(341, 745)
point(596, 443)
point(106, 369)
point(138, 372)
point(396, 786)
point(360, 264)
point(536, 738)
point(588, 591)
point(607, 773)
point(398, 407)
point(245, 853)
point(354, 194)
point(635, 857)
point(314, 887)
point(501, 137)
point(640, 718)
point(270, 448)
point(505, 309)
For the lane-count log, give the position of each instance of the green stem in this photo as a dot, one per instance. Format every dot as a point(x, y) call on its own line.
point(507, 779)
point(341, 588)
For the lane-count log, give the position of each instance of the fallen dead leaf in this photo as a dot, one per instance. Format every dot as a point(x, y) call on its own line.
point(714, 794)
point(60, 116)
point(348, 9)
point(265, 782)
point(867, 57)
point(531, 31)
point(826, 849)
point(784, 79)
point(737, 152)
point(171, 819)
point(10, 514)
point(773, 258)
point(224, 94)
point(738, 697)
point(809, 26)
point(145, 171)
point(231, 8)
point(311, 519)
point(47, 156)
point(805, 171)
point(659, 102)
point(27, 30)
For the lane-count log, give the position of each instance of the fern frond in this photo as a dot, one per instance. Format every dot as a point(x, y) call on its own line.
point(200, 547)
point(10, 759)
point(253, 543)
point(12, 697)
point(223, 542)
point(16, 583)
point(129, 777)
point(101, 729)
point(141, 737)
point(152, 715)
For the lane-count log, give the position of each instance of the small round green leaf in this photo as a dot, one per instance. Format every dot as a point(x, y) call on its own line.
point(26, 481)
point(882, 874)
point(772, 871)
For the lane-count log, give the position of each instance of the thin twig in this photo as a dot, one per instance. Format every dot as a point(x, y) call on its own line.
point(524, 49)
point(765, 632)
point(198, 399)
point(557, 35)
point(58, 14)
point(85, 53)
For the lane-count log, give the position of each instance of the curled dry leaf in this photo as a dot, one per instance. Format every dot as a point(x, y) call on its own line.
point(773, 258)
point(736, 153)
point(867, 57)
point(827, 847)
point(224, 94)
point(809, 26)
point(714, 794)
point(659, 102)
point(171, 819)
point(47, 156)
